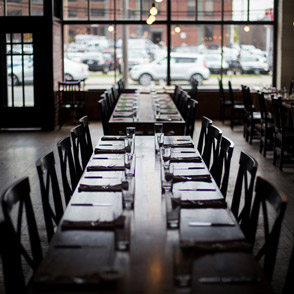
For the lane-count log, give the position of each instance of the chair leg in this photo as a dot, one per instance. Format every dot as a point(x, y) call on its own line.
point(275, 152)
point(282, 156)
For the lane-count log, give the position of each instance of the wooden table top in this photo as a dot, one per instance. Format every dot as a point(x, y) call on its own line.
point(122, 115)
point(207, 250)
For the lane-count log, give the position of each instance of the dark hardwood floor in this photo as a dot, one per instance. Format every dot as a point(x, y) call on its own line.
point(19, 152)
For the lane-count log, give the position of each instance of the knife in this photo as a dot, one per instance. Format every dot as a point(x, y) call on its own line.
point(91, 204)
point(200, 190)
point(209, 224)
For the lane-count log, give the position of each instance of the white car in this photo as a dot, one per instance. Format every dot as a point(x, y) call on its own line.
point(214, 62)
point(72, 71)
point(253, 64)
point(183, 67)
point(75, 70)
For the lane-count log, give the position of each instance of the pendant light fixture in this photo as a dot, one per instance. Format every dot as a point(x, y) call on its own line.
point(111, 28)
point(153, 10)
point(177, 29)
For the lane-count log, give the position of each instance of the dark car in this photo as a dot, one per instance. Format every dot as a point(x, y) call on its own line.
point(96, 62)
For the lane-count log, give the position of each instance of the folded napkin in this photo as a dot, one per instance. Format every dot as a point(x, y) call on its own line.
point(98, 188)
point(168, 112)
point(94, 225)
point(124, 110)
point(105, 150)
point(112, 138)
point(179, 144)
point(105, 167)
point(216, 203)
point(168, 119)
point(203, 178)
point(217, 246)
point(186, 159)
point(123, 115)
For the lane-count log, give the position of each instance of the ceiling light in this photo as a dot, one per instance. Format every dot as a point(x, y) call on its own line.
point(110, 28)
point(151, 19)
point(158, 1)
point(153, 10)
point(247, 28)
point(177, 29)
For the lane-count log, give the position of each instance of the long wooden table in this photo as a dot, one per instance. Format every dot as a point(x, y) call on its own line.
point(204, 252)
point(145, 119)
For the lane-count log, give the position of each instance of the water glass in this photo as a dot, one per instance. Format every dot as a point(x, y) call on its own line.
point(158, 130)
point(130, 131)
point(167, 179)
point(130, 163)
point(128, 145)
point(166, 154)
point(128, 193)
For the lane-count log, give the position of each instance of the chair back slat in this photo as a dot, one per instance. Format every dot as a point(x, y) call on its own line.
point(191, 117)
point(50, 193)
point(13, 249)
point(222, 170)
point(206, 122)
point(68, 171)
point(211, 149)
point(88, 139)
point(267, 194)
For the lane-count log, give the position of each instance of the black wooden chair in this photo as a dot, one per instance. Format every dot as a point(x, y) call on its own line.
point(183, 105)
point(267, 126)
point(252, 118)
point(211, 149)
point(224, 103)
point(291, 87)
point(68, 171)
point(71, 102)
point(221, 171)
point(243, 191)
point(194, 88)
point(177, 91)
point(15, 252)
point(105, 115)
point(289, 281)
point(50, 193)
point(284, 136)
point(190, 117)
point(79, 146)
point(237, 109)
point(267, 196)
point(88, 139)
point(202, 141)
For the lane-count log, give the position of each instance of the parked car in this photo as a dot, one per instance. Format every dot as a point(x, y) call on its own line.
point(134, 58)
point(72, 71)
point(183, 67)
point(75, 70)
point(96, 61)
point(214, 62)
point(253, 64)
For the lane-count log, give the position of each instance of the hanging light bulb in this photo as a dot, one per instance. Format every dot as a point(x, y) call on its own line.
point(111, 28)
point(177, 29)
point(153, 10)
point(247, 28)
point(151, 19)
point(158, 1)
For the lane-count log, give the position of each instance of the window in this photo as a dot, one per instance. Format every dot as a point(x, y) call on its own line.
point(211, 30)
point(20, 69)
point(21, 7)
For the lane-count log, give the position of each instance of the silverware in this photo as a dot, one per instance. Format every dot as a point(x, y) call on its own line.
point(209, 224)
point(200, 190)
point(100, 177)
point(91, 204)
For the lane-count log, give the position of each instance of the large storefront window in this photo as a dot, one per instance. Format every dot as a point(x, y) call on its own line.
point(203, 37)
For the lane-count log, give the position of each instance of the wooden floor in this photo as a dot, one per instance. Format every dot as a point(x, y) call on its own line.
point(19, 152)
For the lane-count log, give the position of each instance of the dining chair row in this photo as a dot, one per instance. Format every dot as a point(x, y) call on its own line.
point(187, 106)
point(20, 244)
point(217, 151)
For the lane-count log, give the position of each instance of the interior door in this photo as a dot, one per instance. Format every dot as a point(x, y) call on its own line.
point(18, 108)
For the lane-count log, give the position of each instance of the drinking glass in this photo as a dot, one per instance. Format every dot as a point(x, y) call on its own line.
point(130, 131)
point(128, 145)
point(167, 180)
point(158, 130)
point(128, 192)
point(130, 163)
point(166, 154)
